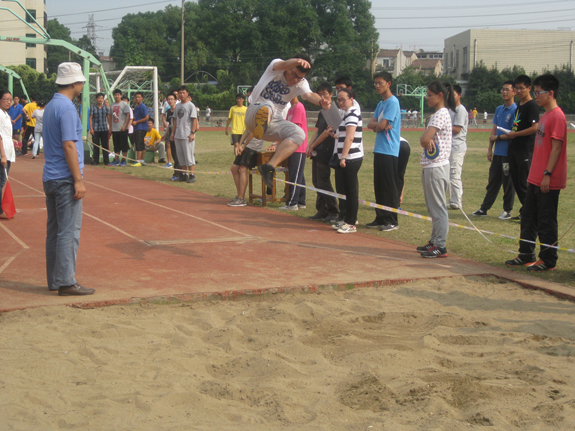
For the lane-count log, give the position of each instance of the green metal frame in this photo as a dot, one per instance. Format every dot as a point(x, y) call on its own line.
point(11, 76)
point(409, 91)
point(47, 40)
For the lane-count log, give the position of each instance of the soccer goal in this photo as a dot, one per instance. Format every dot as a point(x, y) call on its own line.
point(130, 80)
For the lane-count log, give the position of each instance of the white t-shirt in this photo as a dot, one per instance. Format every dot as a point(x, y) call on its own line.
point(459, 117)
point(273, 87)
point(442, 139)
point(38, 114)
point(6, 133)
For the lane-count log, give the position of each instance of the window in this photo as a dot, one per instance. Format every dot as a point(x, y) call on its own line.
point(31, 62)
point(456, 59)
point(31, 12)
point(31, 45)
point(465, 56)
point(386, 62)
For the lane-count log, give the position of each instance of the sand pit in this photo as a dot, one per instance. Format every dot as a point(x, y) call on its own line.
point(449, 354)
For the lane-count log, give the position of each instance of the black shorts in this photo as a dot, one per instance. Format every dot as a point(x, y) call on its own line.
point(248, 158)
point(121, 141)
point(236, 139)
point(139, 136)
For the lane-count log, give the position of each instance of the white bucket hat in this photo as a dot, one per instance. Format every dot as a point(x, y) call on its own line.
point(69, 73)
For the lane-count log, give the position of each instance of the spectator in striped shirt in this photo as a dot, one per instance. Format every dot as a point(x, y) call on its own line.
point(349, 148)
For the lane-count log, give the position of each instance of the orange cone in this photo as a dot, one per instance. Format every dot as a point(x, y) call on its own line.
point(8, 202)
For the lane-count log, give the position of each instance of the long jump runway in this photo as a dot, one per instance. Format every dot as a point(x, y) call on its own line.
point(143, 239)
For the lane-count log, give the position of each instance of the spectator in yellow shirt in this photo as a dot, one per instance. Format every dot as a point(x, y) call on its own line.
point(153, 142)
point(29, 109)
point(237, 117)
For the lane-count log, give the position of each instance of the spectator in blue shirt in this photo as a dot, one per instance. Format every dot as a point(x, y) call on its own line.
point(63, 181)
point(140, 124)
point(16, 111)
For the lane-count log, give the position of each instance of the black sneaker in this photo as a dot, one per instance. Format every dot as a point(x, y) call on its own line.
point(191, 179)
point(331, 218)
point(183, 178)
point(267, 173)
point(374, 225)
point(540, 266)
point(316, 216)
point(516, 219)
point(388, 227)
point(520, 261)
point(425, 247)
point(435, 252)
point(479, 213)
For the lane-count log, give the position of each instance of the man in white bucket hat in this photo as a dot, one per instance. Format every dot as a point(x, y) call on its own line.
point(63, 181)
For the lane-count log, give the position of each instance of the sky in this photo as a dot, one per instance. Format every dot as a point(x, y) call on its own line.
point(421, 25)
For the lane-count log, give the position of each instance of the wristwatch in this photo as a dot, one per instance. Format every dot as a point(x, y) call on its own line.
point(546, 172)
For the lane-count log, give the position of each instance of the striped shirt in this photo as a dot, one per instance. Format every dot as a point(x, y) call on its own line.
point(351, 117)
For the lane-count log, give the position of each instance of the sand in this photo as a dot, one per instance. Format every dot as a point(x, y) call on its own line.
point(450, 354)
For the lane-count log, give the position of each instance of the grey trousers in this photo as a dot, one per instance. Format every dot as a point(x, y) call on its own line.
point(435, 182)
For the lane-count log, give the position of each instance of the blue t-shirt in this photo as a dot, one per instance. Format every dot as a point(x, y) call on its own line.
point(388, 142)
point(14, 111)
point(503, 118)
point(61, 123)
point(140, 112)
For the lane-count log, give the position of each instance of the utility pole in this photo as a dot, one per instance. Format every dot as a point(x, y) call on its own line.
point(182, 53)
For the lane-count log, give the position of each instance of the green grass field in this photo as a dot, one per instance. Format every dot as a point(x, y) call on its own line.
point(214, 153)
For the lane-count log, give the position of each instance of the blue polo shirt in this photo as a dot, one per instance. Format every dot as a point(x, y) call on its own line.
point(388, 142)
point(140, 112)
point(14, 111)
point(61, 123)
point(503, 118)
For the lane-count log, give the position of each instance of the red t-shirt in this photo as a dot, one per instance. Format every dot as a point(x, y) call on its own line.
point(552, 125)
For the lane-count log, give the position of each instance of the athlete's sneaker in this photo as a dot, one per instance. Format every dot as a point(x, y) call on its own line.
point(347, 228)
point(453, 206)
point(237, 202)
point(137, 165)
point(338, 225)
point(479, 213)
point(425, 247)
point(520, 261)
point(505, 215)
point(389, 227)
point(143, 163)
point(267, 173)
point(435, 252)
point(168, 165)
point(540, 266)
point(288, 208)
point(261, 122)
point(161, 161)
point(123, 164)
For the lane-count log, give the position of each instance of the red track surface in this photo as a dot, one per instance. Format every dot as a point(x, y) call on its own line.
point(143, 239)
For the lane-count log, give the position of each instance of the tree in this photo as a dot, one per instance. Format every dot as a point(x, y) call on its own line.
point(57, 54)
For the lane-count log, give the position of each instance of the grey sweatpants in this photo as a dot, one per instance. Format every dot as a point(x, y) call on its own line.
point(435, 182)
point(278, 129)
point(185, 151)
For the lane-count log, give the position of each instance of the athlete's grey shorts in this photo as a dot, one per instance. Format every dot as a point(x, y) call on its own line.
point(278, 129)
point(185, 151)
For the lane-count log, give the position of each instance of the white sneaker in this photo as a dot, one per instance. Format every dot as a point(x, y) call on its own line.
point(504, 216)
point(289, 207)
point(347, 228)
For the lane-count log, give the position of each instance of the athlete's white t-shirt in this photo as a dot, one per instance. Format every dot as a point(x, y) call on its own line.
point(273, 87)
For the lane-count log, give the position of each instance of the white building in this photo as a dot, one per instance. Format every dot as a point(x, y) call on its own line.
point(16, 53)
point(534, 50)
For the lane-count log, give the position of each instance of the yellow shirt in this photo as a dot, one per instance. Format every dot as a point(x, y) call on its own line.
point(474, 113)
point(151, 137)
point(29, 110)
point(238, 117)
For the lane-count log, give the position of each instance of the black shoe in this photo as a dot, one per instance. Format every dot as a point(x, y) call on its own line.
point(162, 161)
point(267, 173)
point(516, 219)
point(316, 216)
point(330, 218)
point(540, 266)
point(479, 213)
point(425, 247)
point(374, 225)
point(183, 178)
point(74, 290)
point(520, 261)
point(435, 252)
point(191, 179)
point(389, 227)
